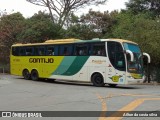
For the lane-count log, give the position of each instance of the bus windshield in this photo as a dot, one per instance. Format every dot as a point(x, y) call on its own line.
point(137, 65)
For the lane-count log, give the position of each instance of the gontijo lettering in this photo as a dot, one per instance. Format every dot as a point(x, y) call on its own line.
point(41, 60)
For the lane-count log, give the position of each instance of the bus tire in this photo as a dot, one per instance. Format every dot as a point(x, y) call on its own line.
point(51, 80)
point(34, 75)
point(112, 85)
point(26, 74)
point(97, 80)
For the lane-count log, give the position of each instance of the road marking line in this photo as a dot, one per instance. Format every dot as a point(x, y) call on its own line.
point(129, 107)
point(117, 95)
point(104, 104)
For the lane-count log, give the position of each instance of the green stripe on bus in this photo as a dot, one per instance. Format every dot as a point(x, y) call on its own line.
point(76, 65)
point(64, 65)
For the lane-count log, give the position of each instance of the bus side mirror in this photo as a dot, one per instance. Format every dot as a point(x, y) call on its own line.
point(148, 57)
point(131, 55)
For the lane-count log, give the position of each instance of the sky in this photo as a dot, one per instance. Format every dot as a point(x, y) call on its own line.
point(27, 9)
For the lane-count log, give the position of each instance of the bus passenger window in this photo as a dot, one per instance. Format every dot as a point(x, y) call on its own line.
point(39, 51)
point(99, 49)
point(50, 51)
point(66, 50)
point(89, 51)
point(22, 51)
point(29, 51)
point(15, 51)
point(81, 50)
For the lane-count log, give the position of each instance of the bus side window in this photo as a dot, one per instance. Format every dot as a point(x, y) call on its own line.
point(29, 51)
point(99, 49)
point(50, 50)
point(22, 51)
point(39, 51)
point(42, 51)
point(62, 50)
point(81, 50)
point(89, 49)
point(56, 49)
point(66, 50)
point(15, 51)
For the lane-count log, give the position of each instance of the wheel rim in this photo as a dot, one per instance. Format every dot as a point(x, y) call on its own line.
point(26, 74)
point(34, 75)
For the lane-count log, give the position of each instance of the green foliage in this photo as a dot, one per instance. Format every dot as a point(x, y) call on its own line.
point(139, 6)
point(93, 25)
point(10, 27)
point(141, 29)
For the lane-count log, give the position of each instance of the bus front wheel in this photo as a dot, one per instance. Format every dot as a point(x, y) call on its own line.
point(97, 80)
point(26, 74)
point(34, 75)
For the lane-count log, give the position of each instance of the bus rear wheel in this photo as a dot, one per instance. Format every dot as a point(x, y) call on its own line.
point(97, 80)
point(34, 75)
point(26, 74)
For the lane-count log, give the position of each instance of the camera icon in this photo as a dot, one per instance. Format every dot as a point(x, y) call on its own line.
point(6, 114)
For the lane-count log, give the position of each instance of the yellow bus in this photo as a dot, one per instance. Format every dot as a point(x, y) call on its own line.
point(100, 61)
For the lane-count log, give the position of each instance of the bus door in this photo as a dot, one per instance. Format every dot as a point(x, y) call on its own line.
point(116, 70)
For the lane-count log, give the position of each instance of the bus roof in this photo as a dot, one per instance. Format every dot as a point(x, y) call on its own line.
point(72, 40)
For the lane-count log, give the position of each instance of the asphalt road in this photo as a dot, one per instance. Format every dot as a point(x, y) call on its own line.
point(17, 94)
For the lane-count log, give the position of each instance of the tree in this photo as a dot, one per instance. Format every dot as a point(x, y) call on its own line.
point(141, 29)
point(137, 6)
point(101, 22)
point(10, 27)
point(124, 26)
point(63, 8)
point(38, 28)
point(94, 24)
